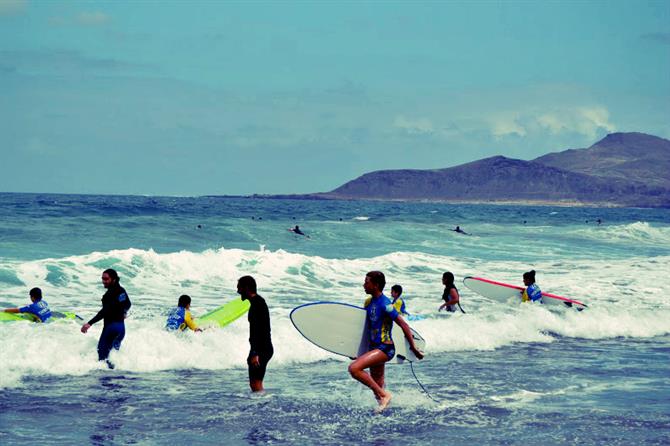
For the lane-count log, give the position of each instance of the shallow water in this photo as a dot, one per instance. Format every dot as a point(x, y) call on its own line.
point(499, 375)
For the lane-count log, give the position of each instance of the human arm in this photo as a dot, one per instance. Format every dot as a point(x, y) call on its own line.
point(408, 335)
point(259, 328)
point(96, 318)
point(11, 310)
point(451, 299)
point(190, 323)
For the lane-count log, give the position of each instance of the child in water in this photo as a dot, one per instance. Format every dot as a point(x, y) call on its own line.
point(39, 309)
point(180, 317)
point(532, 292)
point(397, 302)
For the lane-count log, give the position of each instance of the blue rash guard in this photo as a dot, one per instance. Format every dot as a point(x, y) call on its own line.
point(534, 293)
point(40, 309)
point(380, 315)
point(175, 318)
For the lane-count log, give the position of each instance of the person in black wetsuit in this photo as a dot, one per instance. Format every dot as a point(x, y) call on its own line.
point(298, 231)
point(115, 306)
point(460, 231)
point(259, 332)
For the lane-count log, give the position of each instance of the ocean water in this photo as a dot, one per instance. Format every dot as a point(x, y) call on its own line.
point(495, 375)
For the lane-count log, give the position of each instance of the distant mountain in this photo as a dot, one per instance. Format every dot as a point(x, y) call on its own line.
point(627, 156)
point(623, 169)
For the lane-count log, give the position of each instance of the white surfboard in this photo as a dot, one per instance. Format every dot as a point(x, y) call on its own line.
point(511, 294)
point(341, 329)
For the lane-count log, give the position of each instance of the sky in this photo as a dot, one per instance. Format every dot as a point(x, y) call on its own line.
point(193, 98)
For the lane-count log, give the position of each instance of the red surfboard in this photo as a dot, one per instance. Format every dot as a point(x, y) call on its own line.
point(506, 293)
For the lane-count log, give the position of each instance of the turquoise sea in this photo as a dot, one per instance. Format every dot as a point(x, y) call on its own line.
point(495, 375)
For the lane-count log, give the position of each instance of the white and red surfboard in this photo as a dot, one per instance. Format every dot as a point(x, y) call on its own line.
point(510, 294)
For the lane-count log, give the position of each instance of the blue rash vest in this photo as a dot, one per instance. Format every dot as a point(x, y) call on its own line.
point(534, 293)
point(179, 318)
point(380, 315)
point(176, 317)
point(39, 309)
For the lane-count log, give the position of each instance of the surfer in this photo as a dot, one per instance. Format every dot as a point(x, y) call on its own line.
point(115, 306)
point(532, 292)
point(180, 316)
point(261, 350)
point(39, 309)
point(460, 231)
point(298, 231)
point(450, 295)
point(380, 317)
point(398, 302)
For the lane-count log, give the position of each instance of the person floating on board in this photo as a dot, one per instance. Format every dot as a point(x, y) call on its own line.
point(398, 302)
point(532, 292)
point(260, 341)
point(115, 306)
point(298, 231)
point(38, 309)
point(450, 295)
point(180, 316)
point(380, 317)
point(460, 231)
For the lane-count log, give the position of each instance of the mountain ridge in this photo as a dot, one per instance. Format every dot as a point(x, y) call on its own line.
point(622, 169)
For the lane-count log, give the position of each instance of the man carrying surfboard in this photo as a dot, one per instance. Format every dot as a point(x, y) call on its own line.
point(259, 332)
point(380, 317)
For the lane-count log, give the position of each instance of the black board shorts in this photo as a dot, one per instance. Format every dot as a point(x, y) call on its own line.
point(258, 373)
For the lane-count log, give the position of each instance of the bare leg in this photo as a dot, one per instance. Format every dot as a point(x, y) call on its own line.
point(377, 373)
point(371, 359)
point(256, 385)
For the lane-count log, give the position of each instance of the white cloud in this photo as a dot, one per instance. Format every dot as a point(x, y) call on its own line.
point(585, 120)
point(504, 124)
point(9, 7)
point(414, 126)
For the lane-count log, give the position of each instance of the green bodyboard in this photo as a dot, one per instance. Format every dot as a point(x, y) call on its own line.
point(27, 317)
point(224, 315)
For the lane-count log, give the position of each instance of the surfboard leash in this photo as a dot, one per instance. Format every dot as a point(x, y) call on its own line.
point(411, 366)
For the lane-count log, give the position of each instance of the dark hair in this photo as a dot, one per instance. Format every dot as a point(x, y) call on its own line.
point(397, 289)
point(248, 283)
point(450, 278)
point(530, 275)
point(36, 293)
point(113, 274)
point(184, 300)
point(378, 278)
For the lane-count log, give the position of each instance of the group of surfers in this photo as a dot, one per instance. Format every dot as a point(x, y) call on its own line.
point(381, 313)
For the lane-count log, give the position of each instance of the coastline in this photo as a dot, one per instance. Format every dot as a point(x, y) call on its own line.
point(329, 197)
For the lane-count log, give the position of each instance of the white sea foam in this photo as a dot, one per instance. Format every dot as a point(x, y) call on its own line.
point(639, 233)
point(625, 298)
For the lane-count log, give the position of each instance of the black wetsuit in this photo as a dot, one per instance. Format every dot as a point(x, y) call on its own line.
point(446, 297)
point(259, 337)
point(115, 305)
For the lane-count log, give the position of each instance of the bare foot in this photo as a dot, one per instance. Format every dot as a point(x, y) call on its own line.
point(384, 402)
